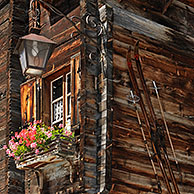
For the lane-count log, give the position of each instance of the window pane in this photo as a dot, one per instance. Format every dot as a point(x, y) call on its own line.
point(58, 110)
point(68, 83)
point(68, 105)
point(57, 88)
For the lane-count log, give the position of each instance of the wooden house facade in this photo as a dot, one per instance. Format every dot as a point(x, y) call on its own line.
point(99, 80)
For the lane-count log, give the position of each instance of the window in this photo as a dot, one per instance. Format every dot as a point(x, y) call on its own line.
point(61, 99)
point(60, 94)
point(57, 101)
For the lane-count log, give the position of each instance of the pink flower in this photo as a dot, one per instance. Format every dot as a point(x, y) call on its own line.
point(49, 134)
point(36, 151)
point(13, 146)
point(11, 155)
point(60, 125)
point(42, 129)
point(8, 151)
point(11, 142)
point(16, 135)
point(17, 158)
point(28, 143)
point(4, 147)
point(32, 135)
point(68, 133)
point(34, 128)
point(33, 145)
point(37, 122)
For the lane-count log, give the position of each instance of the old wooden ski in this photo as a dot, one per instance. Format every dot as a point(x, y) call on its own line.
point(146, 119)
point(166, 127)
point(153, 117)
point(145, 141)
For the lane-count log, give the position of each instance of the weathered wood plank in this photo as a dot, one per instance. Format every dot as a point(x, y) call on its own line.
point(173, 71)
point(174, 18)
point(63, 53)
point(153, 30)
point(188, 2)
point(126, 37)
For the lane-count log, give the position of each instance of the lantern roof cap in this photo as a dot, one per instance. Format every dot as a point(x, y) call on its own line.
point(37, 37)
point(32, 37)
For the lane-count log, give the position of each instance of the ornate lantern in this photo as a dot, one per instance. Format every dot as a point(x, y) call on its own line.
point(34, 51)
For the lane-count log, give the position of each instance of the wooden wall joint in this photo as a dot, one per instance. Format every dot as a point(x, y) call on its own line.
point(89, 99)
point(96, 70)
point(167, 5)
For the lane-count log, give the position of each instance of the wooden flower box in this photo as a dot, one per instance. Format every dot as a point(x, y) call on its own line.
point(58, 151)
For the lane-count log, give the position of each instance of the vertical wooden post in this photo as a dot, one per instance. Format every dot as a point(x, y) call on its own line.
point(106, 92)
point(90, 98)
point(96, 92)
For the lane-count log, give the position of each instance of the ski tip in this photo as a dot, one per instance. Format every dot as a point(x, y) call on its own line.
point(129, 49)
point(128, 55)
point(136, 47)
point(137, 43)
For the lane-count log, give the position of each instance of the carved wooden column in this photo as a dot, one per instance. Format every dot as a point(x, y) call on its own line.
point(106, 93)
point(90, 96)
point(96, 91)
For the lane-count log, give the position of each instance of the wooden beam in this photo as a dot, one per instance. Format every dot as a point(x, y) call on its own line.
point(188, 2)
point(165, 35)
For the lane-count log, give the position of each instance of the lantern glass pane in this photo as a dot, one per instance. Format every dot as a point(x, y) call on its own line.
point(37, 53)
point(22, 52)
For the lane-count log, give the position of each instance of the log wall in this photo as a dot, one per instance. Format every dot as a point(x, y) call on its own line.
point(5, 29)
point(89, 100)
point(166, 50)
point(12, 25)
point(108, 122)
point(59, 178)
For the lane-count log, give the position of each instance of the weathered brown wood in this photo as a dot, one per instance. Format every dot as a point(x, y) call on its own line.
point(173, 70)
point(68, 49)
point(174, 17)
point(166, 50)
point(9, 88)
point(151, 29)
point(75, 70)
point(188, 2)
point(28, 101)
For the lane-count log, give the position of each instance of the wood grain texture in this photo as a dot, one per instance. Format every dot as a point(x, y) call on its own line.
point(172, 69)
point(89, 100)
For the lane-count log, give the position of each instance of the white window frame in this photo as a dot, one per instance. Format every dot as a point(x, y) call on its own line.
point(58, 99)
point(67, 117)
